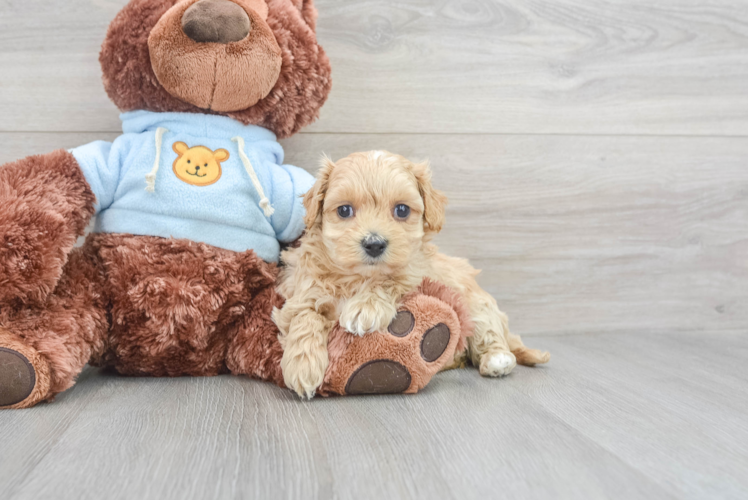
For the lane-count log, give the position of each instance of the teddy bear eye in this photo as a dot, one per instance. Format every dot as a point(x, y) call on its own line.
point(188, 161)
point(206, 164)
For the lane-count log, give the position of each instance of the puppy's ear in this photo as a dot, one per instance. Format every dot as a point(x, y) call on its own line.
point(434, 201)
point(314, 199)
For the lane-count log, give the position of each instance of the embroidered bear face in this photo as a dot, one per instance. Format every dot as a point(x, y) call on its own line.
point(199, 165)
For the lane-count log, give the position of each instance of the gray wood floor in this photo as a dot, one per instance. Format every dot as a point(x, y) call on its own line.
point(596, 159)
point(614, 416)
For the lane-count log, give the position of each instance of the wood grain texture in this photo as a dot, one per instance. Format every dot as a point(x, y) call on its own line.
point(478, 66)
point(613, 416)
point(589, 234)
point(574, 234)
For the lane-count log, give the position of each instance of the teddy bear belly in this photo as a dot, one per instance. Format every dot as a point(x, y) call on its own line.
point(175, 305)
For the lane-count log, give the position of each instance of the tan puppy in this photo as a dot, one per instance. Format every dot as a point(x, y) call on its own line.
point(370, 219)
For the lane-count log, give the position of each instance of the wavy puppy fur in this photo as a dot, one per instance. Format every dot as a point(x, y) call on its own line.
point(330, 277)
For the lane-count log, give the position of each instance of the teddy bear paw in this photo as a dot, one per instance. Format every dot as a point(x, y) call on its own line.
point(418, 343)
point(24, 375)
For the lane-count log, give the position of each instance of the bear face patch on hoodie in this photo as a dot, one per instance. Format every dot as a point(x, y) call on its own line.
point(201, 177)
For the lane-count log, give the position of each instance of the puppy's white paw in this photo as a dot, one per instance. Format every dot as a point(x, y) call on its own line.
point(361, 316)
point(304, 371)
point(498, 364)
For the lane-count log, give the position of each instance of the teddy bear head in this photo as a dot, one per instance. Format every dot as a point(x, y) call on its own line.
point(256, 61)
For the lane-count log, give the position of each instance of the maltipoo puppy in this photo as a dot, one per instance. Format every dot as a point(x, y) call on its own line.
point(370, 220)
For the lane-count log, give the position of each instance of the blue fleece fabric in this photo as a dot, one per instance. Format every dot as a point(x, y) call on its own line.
point(225, 214)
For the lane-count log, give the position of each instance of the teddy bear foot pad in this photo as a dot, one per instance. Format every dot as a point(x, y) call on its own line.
point(420, 341)
point(17, 377)
point(381, 376)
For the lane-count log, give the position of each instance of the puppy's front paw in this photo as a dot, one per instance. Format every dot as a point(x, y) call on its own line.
point(366, 315)
point(497, 364)
point(304, 369)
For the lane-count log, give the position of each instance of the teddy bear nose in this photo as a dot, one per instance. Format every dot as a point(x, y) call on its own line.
point(216, 21)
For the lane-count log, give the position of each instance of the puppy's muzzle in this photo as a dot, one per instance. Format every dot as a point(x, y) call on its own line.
point(374, 245)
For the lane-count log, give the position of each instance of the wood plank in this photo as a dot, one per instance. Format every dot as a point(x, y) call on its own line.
point(613, 416)
point(574, 234)
point(657, 402)
point(589, 234)
point(416, 66)
point(27, 436)
point(229, 437)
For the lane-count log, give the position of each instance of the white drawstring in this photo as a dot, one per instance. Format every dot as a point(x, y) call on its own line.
point(150, 178)
point(264, 202)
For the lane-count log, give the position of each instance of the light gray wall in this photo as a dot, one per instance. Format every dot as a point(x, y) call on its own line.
point(595, 154)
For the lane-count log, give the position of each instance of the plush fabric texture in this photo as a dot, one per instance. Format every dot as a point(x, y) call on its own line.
point(150, 306)
point(69, 329)
point(431, 304)
point(300, 91)
point(41, 369)
point(46, 207)
point(216, 21)
point(179, 277)
point(160, 307)
point(225, 214)
point(214, 76)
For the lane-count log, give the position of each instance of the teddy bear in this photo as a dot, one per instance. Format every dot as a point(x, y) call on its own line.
point(177, 277)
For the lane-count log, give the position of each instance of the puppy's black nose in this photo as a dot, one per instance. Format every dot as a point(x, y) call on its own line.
point(374, 245)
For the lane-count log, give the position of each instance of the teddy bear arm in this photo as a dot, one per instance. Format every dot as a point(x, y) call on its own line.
point(289, 186)
point(47, 205)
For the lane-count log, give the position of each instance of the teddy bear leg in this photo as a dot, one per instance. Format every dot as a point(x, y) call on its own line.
point(43, 348)
point(429, 328)
point(254, 349)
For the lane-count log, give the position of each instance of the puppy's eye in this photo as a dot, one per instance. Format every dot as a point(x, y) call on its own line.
point(402, 211)
point(345, 211)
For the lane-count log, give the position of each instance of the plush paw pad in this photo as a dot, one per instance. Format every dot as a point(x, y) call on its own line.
point(380, 376)
point(403, 324)
point(17, 377)
point(420, 341)
point(435, 342)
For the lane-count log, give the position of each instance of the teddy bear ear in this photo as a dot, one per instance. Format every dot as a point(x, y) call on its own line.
point(180, 148)
point(221, 155)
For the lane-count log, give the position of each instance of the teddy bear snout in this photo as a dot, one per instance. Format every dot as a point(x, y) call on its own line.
point(216, 21)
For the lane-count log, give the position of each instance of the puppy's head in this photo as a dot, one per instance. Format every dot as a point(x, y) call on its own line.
point(373, 211)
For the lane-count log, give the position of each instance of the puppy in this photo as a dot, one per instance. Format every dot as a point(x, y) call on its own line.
point(370, 220)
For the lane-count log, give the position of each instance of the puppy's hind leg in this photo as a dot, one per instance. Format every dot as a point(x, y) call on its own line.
point(489, 346)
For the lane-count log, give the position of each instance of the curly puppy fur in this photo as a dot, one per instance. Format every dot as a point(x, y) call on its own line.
point(330, 277)
point(301, 90)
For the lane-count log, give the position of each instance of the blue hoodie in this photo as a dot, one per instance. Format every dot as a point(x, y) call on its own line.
point(149, 182)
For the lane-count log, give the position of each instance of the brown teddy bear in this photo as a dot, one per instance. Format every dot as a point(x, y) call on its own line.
point(178, 276)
